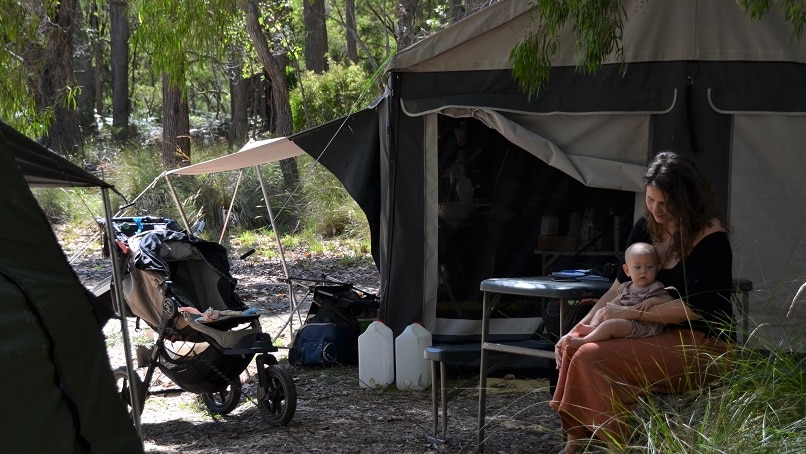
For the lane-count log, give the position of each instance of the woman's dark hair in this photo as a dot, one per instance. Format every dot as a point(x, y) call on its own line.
point(689, 197)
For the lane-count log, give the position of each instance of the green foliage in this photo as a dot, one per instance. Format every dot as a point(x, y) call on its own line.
point(597, 26)
point(324, 97)
point(19, 55)
point(135, 171)
point(174, 33)
point(374, 20)
point(328, 209)
point(758, 406)
point(73, 205)
point(794, 12)
point(261, 240)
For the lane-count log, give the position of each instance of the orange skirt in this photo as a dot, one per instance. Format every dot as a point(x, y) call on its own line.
point(599, 382)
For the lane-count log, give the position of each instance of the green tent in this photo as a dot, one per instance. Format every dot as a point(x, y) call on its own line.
point(59, 389)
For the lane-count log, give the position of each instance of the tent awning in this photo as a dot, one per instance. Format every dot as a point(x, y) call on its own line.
point(252, 154)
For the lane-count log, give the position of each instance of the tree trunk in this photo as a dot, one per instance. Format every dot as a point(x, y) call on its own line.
point(97, 73)
point(85, 70)
point(119, 36)
point(457, 10)
point(313, 17)
point(352, 47)
point(175, 124)
point(406, 15)
point(274, 66)
point(57, 78)
point(239, 106)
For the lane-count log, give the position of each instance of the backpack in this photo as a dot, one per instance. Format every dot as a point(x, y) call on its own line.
point(330, 333)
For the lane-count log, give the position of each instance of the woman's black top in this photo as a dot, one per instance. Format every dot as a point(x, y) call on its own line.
point(703, 279)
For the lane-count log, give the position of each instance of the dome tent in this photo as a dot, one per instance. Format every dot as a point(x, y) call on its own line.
point(55, 369)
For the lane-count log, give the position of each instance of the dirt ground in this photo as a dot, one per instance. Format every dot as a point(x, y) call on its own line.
point(334, 415)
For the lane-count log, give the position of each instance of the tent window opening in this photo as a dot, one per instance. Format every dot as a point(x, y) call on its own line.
point(499, 206)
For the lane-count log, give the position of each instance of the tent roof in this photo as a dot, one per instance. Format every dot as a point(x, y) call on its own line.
point(44, 168)
point(716, 30)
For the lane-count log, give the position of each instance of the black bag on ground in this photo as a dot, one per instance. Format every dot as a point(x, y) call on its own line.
point(322, 344)
point(330, 333)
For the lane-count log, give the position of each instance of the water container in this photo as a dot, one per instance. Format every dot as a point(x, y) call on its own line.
point(376, 356)
point(411, 368)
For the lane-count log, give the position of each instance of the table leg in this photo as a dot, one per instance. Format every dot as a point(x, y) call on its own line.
point(434, 386)
point(563, 316)
point(487, 308)
point(443, 377)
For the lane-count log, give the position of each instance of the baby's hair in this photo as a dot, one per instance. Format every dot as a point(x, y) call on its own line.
point(638, 249)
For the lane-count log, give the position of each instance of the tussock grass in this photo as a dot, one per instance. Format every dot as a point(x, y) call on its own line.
point(758, 406)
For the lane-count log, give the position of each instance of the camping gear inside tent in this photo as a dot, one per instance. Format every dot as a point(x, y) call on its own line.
point(472, 169)
point(60, 391)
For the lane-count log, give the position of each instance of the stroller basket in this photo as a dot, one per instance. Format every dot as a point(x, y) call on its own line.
point(201, 368)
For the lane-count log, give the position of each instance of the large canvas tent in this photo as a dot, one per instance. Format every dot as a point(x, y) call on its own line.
point(463, 176)
point(700, 78)
point(60, 393)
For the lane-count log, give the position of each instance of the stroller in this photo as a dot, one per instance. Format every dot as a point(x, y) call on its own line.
point(182, 288)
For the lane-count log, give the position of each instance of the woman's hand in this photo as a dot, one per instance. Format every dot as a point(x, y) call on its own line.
point(558, 351)
point(615, 310)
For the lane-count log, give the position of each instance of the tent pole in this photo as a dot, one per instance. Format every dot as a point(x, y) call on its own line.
point(291, 298)
point(117, 286)
point(176, 202)
point(231, 203)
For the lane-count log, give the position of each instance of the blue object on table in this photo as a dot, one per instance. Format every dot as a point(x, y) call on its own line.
point(593, 277)
point(570, 274)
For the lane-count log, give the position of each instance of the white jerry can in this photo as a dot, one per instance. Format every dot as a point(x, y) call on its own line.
point(376, 356)
point(411, 368)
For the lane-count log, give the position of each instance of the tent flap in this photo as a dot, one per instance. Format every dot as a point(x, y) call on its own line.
point(42, 167)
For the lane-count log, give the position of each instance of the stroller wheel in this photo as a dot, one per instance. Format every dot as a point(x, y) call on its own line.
point(224, 401)
point(123, 381)
point(277, 396)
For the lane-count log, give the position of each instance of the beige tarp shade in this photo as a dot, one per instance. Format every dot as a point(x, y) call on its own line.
point(251, 155)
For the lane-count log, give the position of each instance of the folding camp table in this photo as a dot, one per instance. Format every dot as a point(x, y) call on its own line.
point(565, 290)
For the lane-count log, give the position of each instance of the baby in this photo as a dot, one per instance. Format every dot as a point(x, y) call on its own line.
point(641, 293)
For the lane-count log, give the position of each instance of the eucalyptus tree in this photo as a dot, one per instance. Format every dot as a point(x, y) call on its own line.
point(313, 14)
point(119, 33)
point(38, 93)
point(266, 30)
point(178, 35)
point(350, 31)
point(87, 72)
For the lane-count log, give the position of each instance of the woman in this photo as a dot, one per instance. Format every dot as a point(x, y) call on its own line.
point(599, 381)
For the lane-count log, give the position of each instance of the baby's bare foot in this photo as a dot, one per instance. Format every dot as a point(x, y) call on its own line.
point(575, 341)
point(584, 330)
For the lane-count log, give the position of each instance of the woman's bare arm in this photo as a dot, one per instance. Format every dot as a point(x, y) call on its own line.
point(675, 311)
